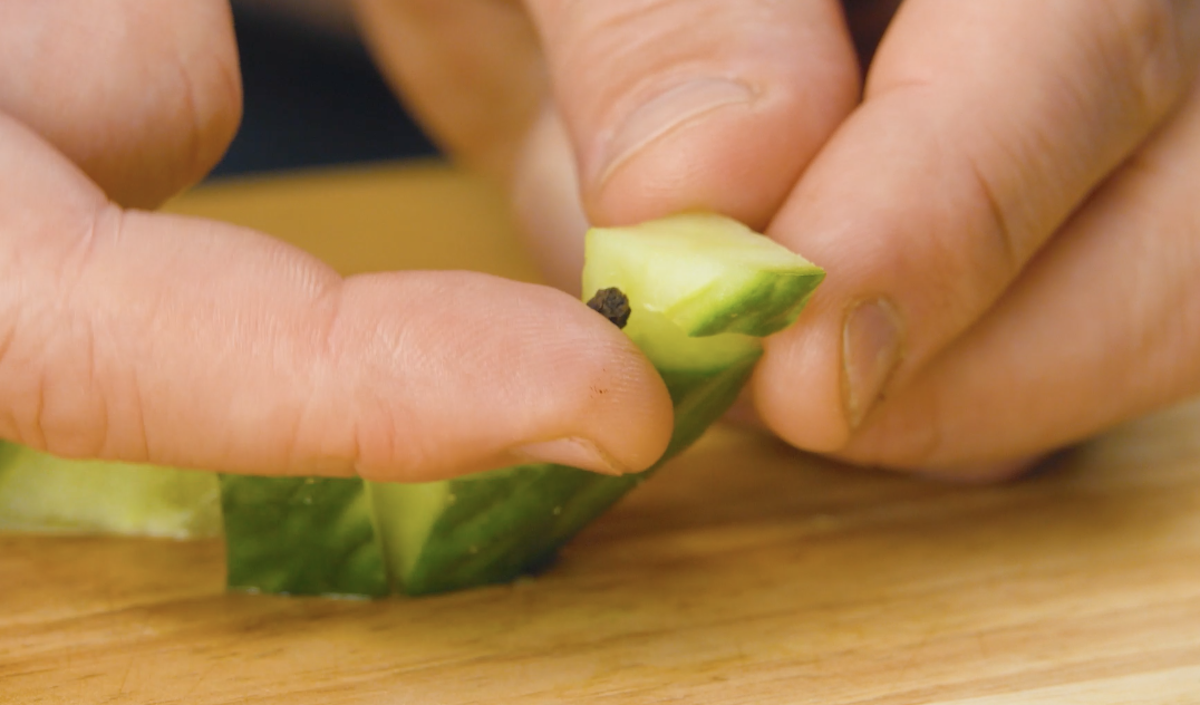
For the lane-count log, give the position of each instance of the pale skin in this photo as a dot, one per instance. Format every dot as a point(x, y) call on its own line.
point(1005, 201)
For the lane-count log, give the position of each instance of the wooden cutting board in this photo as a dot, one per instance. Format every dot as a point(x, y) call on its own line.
point(744, 573)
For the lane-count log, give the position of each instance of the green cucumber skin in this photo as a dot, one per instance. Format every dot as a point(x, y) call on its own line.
point(700, 399)
point(764, 307)
point(301, 536)
point(8, 452)
point(495, 527)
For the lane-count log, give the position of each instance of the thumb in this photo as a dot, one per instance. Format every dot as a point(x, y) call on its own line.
point(687, 104)
point(142, 337)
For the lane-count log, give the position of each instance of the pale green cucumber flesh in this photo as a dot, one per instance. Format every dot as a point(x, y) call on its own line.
point(706, 273)
point(44, 493)
point(301, 536)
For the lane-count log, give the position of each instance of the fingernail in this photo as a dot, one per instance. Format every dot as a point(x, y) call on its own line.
point(871, 350)
point(664, 113)
point(574, 452)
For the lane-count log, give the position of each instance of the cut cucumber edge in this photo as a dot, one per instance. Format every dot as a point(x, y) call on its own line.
point(42, 493)
point(706, 273)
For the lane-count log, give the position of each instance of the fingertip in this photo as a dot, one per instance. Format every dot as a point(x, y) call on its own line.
point(798, 390)
point(488, 370)
point(627, 412)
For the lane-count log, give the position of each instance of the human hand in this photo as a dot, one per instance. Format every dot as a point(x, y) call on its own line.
point(145, 337)
point(1007, 215)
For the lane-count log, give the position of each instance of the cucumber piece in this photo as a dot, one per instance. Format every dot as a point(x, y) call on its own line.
point(707, 274)
point(496, 526)
point(301, 536)
point(701, 290)
point(43, 493)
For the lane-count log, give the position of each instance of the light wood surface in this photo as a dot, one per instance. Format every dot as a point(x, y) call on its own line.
point(744, 573)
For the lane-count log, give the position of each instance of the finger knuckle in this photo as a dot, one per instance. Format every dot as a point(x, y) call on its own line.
point(1144, 54)
point(45, 348)
point(346, 423)
point(1009, 233)
point(634, 46)
point(81, 390)
point(620, 33)
point(47, 371)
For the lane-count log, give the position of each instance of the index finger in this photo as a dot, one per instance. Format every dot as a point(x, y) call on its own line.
point(140, 337)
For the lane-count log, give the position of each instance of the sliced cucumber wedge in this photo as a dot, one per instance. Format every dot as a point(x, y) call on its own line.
point(707, 274)
point(701, 290)
point(43, 493)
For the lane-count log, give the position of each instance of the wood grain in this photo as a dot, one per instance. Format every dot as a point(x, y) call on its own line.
point(745, 573)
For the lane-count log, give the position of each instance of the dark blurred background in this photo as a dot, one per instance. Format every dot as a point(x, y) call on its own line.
point(312, 96)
